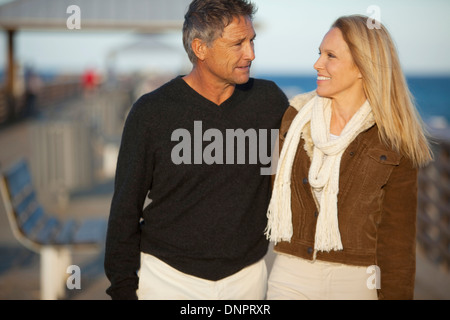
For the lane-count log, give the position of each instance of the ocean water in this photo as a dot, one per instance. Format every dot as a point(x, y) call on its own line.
point(432, 94)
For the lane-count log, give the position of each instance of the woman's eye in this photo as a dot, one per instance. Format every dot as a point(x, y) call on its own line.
point(330, 55)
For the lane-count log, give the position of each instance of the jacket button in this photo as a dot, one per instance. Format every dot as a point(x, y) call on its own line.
point(316, 214)
point(310, 250)
point(352, 154)
point(305, 180)
point(383, 158)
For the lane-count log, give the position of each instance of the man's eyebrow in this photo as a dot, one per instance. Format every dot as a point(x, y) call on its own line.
point(243, 38)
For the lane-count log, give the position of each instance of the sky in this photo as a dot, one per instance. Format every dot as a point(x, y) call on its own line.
point(289, 33)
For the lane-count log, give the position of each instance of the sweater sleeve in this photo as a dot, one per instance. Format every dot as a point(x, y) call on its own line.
point(396, 250)
point(132, 184)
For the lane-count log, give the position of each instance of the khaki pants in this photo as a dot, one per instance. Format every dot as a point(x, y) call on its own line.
point(159, 281)
point(294, 278)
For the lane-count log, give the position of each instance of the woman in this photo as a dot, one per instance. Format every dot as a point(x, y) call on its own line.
point(343, 208)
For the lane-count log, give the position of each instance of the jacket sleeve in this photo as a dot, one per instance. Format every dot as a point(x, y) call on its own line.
point(132, 183)
point(396, 243)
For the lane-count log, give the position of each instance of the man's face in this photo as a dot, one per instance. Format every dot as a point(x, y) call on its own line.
point(230, 57)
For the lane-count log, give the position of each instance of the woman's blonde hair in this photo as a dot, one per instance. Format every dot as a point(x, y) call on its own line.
point(374, 53)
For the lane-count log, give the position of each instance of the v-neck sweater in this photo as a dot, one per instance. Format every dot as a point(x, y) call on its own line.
point(204, 219)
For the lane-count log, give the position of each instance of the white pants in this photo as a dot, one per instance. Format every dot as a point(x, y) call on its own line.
point(293, 278)
point(159, 281)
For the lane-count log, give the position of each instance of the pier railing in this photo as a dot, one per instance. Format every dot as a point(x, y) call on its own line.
point(50, 93)
point(76, 148)
point(3, 106)
point(433, 224)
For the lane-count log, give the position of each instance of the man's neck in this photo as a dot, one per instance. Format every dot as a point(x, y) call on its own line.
point(209, 87)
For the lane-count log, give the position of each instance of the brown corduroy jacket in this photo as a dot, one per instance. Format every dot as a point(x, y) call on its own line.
point(377, 204)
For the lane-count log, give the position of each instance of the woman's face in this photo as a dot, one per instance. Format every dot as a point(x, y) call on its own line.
point(337, 74)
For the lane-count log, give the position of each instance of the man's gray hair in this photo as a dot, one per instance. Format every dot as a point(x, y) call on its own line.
point(206, 20)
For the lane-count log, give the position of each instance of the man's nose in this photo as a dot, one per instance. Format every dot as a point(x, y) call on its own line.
point(250, 52)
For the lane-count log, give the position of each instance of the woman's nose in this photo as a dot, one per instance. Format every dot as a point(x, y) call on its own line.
point(318, 65)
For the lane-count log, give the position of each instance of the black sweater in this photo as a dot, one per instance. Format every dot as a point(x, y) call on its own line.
point(207, 213)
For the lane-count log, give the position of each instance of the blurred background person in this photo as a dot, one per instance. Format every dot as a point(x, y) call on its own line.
point(33, 85)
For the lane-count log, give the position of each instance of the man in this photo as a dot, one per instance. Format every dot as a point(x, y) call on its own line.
point(202, 235)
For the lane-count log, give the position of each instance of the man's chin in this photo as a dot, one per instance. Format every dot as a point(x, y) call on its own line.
point(242, 80)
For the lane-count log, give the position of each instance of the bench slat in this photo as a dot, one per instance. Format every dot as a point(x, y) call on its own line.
point(25, 208)
point(91, 231)
point(18, 177)
point(66, 232)
point(29, 227)
point(48, 231)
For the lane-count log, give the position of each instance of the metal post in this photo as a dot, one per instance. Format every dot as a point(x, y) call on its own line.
point(10, 78)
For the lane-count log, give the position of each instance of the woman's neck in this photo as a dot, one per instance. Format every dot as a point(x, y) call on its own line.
point(343, 110)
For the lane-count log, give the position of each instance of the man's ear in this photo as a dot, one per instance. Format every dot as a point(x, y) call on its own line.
point(200, 48)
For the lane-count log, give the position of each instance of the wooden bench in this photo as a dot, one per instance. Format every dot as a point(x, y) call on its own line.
point(45, 234)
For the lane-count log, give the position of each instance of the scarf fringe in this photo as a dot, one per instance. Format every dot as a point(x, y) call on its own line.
point(329, 237)
point(279, 228)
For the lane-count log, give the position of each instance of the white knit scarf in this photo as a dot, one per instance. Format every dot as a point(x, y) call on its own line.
point(323, 173)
